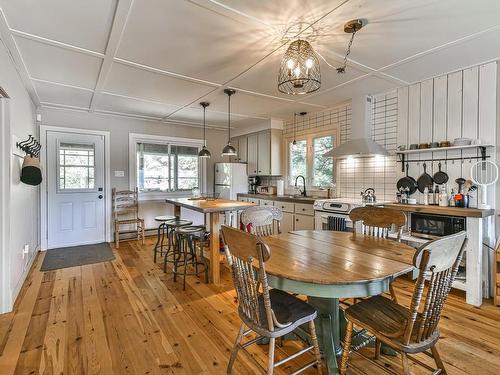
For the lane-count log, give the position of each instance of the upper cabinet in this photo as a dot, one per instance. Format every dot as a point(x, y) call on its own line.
point(261, 151)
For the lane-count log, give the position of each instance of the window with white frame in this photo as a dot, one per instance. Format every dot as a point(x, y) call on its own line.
point(164, 164)
point(305, 158)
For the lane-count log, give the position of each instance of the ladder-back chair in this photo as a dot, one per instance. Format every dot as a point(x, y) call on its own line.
point(413, 330)
point(126, 212)
point(262, 220)
point(378, 222)
point(270, 313)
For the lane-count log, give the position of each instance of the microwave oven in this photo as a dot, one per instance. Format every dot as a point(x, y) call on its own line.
point(433, 226)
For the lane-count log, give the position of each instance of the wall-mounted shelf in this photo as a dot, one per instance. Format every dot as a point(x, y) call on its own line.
point(403, 158)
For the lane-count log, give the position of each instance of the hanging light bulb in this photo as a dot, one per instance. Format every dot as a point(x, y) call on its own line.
point(228, 149)
point(299, 70)
point(204, 153)
point(294, 143)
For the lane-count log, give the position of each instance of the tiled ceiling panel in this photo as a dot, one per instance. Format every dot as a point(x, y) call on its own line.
point(195, 115)
point(64, 95)
point(131, 106)
point(189, 39)
point(130, 81)
point(58, 64)
point(85, 24)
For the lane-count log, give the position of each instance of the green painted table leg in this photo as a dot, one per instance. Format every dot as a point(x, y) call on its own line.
point(328, 329)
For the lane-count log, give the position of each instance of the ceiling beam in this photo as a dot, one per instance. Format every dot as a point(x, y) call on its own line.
point(19, 64)
point(122, 13)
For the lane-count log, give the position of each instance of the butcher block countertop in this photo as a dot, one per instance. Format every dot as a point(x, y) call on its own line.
point(437, 210)
point(281, 198)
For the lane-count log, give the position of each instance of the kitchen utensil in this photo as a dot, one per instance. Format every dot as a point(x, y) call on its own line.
point(368, 196)
point(424, 180)
point(440, 177)
point(484, 173)
point(407, 182)
point(413, 146)
point(467, 185)
point(444, 144)
point(434, 144)
point(423, 146)
point(462, 141)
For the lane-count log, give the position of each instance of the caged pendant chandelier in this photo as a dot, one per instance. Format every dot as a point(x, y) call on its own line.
point(299, 69)
point(228, 149)
point(204, 153)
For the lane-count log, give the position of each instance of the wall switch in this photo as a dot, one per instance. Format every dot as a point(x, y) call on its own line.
point(119, 173)
point(26, 250)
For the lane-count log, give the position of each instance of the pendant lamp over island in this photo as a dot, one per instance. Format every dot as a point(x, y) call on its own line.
point(228, 149)
point(204, 153)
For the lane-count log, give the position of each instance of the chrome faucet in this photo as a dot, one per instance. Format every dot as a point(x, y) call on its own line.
point(303, 193)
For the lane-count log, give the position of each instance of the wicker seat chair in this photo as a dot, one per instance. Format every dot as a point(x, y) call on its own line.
point(271, 313)
point(413, 330)
point(378, 222)
point(262, 220)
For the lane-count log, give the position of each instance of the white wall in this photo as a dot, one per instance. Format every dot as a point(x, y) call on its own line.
point(119, 128)
point(22, 212)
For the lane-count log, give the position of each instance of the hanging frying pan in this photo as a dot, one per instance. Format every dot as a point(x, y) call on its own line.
point(407, 183)
point(424, 180)
point(440, 177)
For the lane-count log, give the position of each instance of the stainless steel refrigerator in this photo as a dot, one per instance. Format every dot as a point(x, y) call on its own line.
point(230, 179)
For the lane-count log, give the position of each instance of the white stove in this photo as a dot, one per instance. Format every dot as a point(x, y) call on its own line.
point(338, 205)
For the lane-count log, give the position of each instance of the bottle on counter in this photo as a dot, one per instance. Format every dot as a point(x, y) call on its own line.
point(436, 195)
point(426, 196)
point(459, 199)
point(451, 201)
point(443, 197)
point(430, 194)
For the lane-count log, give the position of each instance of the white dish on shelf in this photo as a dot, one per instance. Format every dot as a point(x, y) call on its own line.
point(462, 141)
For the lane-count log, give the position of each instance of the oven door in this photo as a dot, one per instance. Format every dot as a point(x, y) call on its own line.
point(332, 221)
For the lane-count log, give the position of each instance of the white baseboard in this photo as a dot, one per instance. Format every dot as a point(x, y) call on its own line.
point(17, 289)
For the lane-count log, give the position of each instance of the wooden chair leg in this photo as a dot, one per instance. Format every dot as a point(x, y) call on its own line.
point(235, 350)
point(394, 297)
point(346, 348)
point(317, 354)
point(117, 235)
point(378, 345)
point(142, 231)
point(270, 360)
point(406, 364)
point(437, 359)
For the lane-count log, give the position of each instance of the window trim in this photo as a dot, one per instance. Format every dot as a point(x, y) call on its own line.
point(308, 137)
point(135, 138)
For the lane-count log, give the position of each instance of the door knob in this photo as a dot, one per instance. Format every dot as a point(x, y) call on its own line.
point(100, 196)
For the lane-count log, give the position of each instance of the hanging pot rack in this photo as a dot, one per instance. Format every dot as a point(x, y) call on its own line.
point(403, 158)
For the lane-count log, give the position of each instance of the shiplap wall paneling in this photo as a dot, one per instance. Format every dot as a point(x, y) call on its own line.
point(414, 131)
point(439, 117)
point(470, 115)
point(426, 121)
point(454, 125)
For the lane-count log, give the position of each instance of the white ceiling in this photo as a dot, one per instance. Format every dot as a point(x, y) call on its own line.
point(158, 59)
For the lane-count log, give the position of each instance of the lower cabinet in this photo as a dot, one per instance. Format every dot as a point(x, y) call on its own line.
point(287, 222)
point(303, 222)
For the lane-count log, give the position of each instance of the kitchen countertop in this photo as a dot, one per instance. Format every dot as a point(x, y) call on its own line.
point(209, 206)
point(454, 211)
point(281, 198)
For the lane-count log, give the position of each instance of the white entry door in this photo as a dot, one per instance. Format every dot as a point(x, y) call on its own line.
point(75, 188)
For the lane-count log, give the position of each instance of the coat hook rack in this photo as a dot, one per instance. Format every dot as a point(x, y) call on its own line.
point(30, 146)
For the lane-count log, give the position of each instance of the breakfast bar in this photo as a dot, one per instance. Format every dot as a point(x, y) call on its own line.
point(213, 208)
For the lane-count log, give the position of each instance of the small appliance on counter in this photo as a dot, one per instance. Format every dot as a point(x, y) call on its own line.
point(280, 187)
point(368, 196)
point(268, 190)
point(253, 183)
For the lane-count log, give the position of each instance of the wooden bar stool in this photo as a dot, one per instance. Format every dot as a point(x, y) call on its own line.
point(162, 229)
point(185, 252)
point(170, 226)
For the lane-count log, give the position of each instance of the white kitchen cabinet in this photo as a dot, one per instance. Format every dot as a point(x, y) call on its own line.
point(266, 202)
point(303, 222)
point(264, 153)
point(286, 224)
point(252, 154)
point(242, 149)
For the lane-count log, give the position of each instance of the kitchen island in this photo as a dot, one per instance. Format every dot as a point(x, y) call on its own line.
point(214, 208)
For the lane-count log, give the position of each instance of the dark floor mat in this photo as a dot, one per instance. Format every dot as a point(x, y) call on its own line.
point(77, 256)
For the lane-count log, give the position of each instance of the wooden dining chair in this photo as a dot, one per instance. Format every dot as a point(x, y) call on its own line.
point(262, 220)
point(126, 212)
point(378, 222)
point(413, 330)
point(270, 313)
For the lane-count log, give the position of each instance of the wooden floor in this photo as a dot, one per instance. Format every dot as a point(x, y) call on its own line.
point(128, 317)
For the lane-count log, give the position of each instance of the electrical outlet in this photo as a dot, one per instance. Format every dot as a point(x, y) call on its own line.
point(26, 250)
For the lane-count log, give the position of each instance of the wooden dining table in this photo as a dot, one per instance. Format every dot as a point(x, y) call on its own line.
point(213, 208)
point(326, 266)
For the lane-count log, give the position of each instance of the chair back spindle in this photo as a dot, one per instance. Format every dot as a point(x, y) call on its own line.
point(438, 263)
point(378, 221)
point(261, 220)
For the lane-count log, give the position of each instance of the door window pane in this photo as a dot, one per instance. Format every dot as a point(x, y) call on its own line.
point(298, 160)
point(76, 166)
point(322, 166)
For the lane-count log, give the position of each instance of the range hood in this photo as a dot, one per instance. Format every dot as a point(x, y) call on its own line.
point(361, 144)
